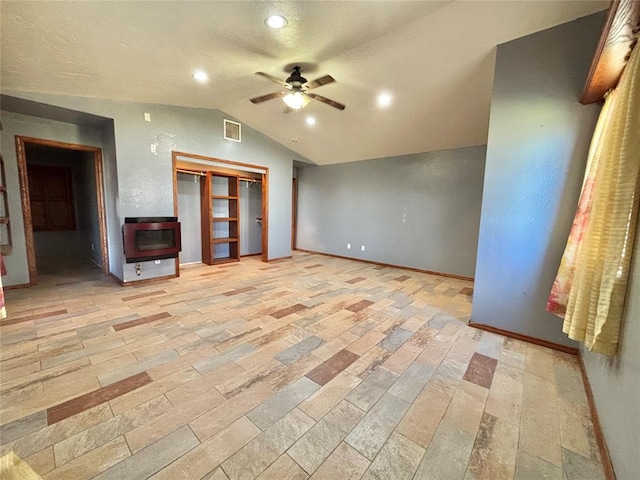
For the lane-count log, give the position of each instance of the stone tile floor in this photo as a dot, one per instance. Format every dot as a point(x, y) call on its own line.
point(314, 367)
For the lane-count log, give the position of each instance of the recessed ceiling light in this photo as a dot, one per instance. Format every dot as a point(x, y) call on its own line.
point(276, 21)
point(200, 76)
point(311, 121)
point(384, 99)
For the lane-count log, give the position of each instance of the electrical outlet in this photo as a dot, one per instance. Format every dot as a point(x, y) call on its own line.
point(92, 247)
point(147, 117)
point(362, 248)
point(154, 148)
point(348, 246)
point(157, 262)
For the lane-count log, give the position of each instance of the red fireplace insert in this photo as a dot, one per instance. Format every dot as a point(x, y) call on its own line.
point(151, 238)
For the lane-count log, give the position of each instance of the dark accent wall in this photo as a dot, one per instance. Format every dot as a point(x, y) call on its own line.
point(420, 211)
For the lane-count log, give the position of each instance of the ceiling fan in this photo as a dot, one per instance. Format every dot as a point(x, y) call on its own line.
point(297, 95)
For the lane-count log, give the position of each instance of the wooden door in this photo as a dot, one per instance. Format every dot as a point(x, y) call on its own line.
point(51, 198)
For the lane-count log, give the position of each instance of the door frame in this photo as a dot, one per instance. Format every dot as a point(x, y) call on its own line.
point(21, 142)
point(197, 162)
point(294, 212)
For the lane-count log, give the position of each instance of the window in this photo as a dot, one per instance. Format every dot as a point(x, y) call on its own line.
point(51, 198)
point(5, 225)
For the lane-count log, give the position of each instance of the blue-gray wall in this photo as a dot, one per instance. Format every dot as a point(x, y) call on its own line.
point(144, 181)
point(539, 137)
point(615, 386)
point(420, 211)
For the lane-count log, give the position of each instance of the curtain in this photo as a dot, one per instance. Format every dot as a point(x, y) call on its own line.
point(589, 290)
point(559, 296)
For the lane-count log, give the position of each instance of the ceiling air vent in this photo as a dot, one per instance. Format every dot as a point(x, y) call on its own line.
point(232, 130)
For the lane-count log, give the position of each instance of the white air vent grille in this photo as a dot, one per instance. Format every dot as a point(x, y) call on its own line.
point(232, 130)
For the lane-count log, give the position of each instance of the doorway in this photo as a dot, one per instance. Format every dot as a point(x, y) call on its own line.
point(63, 206)
point(189, 215)
point(190, 170)
point(250, 197)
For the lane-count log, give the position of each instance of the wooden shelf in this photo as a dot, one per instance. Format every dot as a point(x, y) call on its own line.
point(224, 240)
point(220, 235)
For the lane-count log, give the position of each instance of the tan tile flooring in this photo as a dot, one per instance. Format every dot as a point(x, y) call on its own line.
point(311, 367)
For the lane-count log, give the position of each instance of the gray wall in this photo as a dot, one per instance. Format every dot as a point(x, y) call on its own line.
point(615, 385)
point(144, 179)
point(250, 209)
point(420, 211)
point(539, 138)
point(18, 124)
point(189, 215)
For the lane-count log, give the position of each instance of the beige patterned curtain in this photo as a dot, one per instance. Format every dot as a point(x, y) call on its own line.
point(590, 288)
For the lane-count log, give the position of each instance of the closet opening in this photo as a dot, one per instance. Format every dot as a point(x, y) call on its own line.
point(222, 207)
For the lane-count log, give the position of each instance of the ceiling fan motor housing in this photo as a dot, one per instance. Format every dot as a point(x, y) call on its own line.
point(296, 79)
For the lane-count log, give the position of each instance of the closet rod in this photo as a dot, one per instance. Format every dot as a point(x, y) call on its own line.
point(190, 172)
point(252, 180)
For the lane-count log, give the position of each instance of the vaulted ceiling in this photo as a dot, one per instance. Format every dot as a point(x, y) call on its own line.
point(434, 58)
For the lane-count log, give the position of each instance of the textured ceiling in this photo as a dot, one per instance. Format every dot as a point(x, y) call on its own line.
point(435, 58)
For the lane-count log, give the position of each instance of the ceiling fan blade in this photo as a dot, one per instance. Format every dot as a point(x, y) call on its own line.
point(318, 82)
point(268, 96)
point(326, 100)
point(273, 79)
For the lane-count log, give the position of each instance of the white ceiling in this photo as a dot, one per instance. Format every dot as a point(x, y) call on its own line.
point(436, 58)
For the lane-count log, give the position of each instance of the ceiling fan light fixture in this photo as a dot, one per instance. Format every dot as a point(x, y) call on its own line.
point(296, 100)
point(275, 21)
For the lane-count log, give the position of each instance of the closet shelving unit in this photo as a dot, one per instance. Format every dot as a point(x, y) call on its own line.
point(220, 218)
